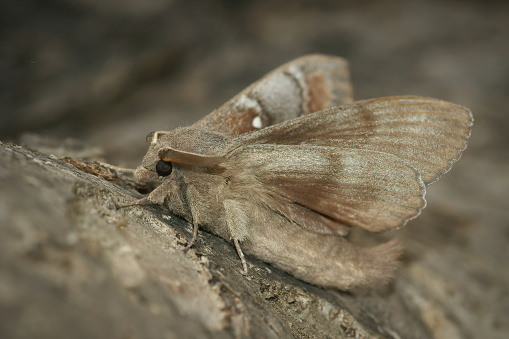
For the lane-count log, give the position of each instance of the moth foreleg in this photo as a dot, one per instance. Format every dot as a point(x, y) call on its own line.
point(157, 196)
point(133, 203)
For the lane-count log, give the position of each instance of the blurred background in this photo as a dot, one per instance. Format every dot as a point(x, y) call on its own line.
point(106, 73)
point(109, 72)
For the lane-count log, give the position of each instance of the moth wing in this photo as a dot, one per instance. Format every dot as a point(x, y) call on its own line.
point(430, 134)
point(302, 86)
point(350, 187)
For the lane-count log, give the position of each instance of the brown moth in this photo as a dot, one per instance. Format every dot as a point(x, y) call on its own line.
point(289, 165)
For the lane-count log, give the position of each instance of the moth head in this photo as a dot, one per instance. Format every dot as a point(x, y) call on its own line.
point(181, 147)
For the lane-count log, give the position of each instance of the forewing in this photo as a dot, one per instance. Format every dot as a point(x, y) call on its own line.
point(302, 86)
point(352, 187)
point(430, 134)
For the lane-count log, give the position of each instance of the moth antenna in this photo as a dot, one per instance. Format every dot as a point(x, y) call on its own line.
point(133, 203)
point(116, 168)
point(241, 256)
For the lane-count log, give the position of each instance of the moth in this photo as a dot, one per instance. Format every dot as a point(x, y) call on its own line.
point(288, 166)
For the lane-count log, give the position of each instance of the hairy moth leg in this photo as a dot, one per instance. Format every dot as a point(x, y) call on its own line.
point(133, 203)
point(192, 194)
point(193, 239)
point(157, 196)
point(237, 222)
point(241, 256)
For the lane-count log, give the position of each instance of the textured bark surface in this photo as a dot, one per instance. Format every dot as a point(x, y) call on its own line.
point(72, 264)
point(92, 78)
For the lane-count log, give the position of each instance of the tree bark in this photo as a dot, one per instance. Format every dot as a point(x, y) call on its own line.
point(74, 265)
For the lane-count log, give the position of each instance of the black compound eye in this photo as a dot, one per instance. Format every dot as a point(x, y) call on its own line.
point(163, 168)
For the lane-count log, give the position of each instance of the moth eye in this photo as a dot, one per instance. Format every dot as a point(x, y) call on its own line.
point(163, 168)
point(149, 137)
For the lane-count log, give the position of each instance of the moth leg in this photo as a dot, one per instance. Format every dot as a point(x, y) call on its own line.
point(133, 203)
point(241, 256)
point(237, 222)
point(192, 194)
point(193, 239)
point(157, 196)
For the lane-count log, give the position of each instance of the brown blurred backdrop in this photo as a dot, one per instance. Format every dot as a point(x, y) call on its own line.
point(109, 72)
